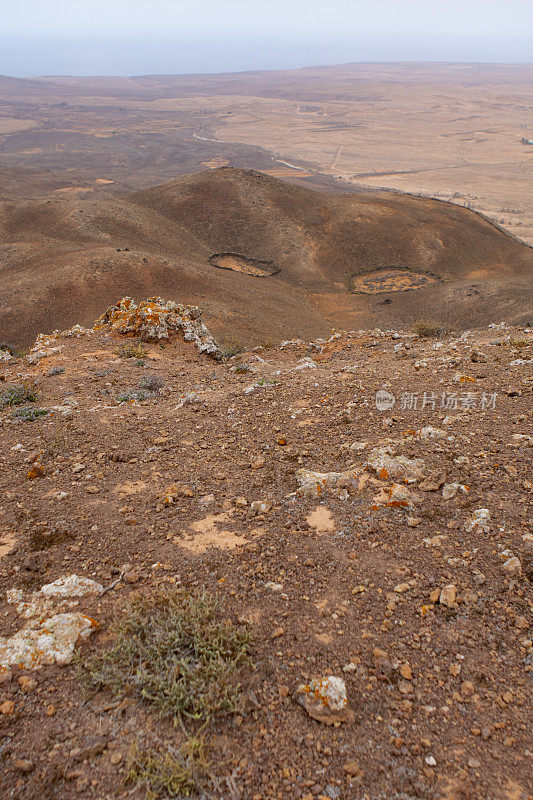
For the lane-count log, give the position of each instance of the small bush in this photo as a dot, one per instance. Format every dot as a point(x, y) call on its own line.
point(28, 414)
point(17, 394)
point(173, 651)
point(231, 349)
point(174, 772)
point(131, 350)
point(55, 371)
point(429, 330)
point(10, 348)
point(132, 396)
point(152, 383)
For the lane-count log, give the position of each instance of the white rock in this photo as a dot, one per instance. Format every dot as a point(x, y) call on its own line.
point(49, 642)
point(71, 586)
point(480, 521)
point(397, 467)
point(318, 484)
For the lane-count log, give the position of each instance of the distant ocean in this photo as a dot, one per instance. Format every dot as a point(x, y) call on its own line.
point(182, 55)
point(24, 57)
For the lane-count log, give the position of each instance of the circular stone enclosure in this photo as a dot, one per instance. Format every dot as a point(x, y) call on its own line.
point(390, 280)
point(244, 264)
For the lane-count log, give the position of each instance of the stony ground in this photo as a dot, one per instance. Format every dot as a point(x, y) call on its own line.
point(420, 605)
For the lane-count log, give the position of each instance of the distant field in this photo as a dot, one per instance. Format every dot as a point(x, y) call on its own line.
point(13, 125)
point(450, 131)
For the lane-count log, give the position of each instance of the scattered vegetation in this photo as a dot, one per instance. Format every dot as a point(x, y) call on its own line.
point(132, 396)
point(55, 371)
point(151, 383)
point(426, 329)
point(28, 413)
point(232, 348)
point(175, 652)
point(17, 394)
point(59, 439)
point(10, 348)
point(170, 772)
point(131, 350)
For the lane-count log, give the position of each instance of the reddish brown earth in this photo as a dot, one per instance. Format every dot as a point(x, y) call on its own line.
point(66, 256)
point(441, 693)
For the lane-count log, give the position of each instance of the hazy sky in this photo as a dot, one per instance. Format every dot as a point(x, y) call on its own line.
point(160, 36)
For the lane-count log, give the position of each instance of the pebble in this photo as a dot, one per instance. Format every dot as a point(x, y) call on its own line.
point(24, 765)
point(27, 683)
point(512, 566)
point(448, 595)
point(7, 707)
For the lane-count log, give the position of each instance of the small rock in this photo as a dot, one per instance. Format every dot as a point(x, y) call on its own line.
point(325, 700)
point(24, 765)
point(276, 633)
point(35, 471)
point(7, 708)
point(467, 689)
point(261, 506)
point(352, 768)
point(27, 683)
point(512, 566)
point(116, 757)
point(448, 595)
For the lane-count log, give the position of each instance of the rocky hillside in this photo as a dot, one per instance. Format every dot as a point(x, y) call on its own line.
point(318, 555)
point(267, 260)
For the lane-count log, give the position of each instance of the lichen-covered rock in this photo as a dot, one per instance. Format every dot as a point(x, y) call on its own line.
point(396, 467)
point(71, 586)
point(45, 345)
point(51, 641)
point(325, 700)
point(319, 484)
point(395, 496)
point(155, 319)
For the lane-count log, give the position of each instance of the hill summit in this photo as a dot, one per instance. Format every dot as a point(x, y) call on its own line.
point(265, 259)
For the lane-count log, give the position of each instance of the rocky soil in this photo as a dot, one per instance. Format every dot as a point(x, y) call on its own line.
point(389, 549)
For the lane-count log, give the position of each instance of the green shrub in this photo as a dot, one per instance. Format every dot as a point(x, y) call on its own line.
point(28, 414)
point(174, 652)
point(17, 394)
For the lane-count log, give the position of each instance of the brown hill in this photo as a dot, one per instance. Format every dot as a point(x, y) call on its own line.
point(264, 258)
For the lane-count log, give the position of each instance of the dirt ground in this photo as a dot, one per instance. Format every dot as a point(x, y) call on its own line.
point(423, 611)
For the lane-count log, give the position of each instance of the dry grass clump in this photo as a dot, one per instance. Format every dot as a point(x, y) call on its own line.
point(175, 652)
point(170, 772)
point(131, 350)
point(426, 329)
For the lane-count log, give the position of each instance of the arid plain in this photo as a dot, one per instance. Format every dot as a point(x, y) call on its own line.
point(448, 131)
